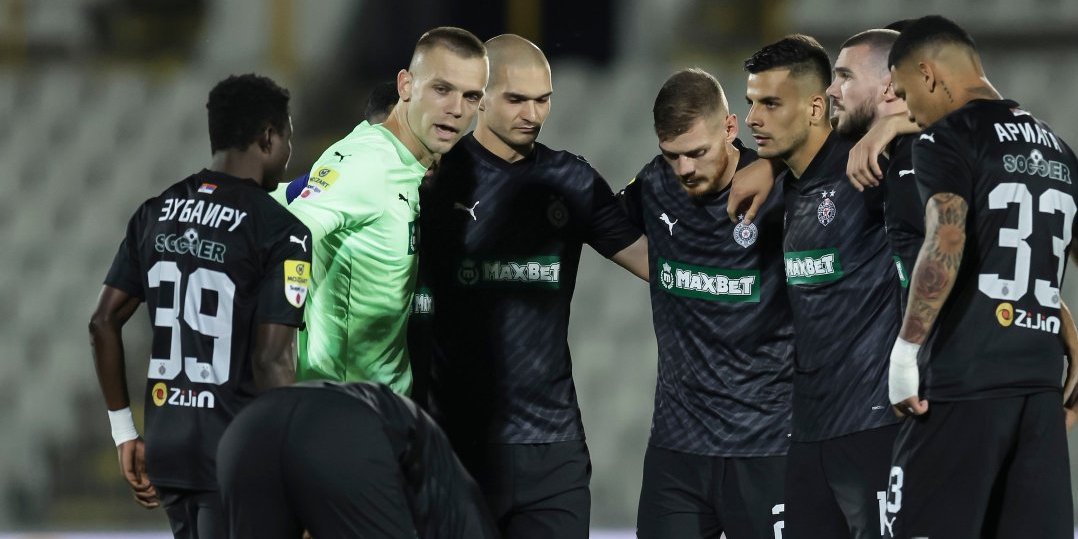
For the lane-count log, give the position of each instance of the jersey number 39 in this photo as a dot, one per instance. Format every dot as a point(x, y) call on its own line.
point(217, 326)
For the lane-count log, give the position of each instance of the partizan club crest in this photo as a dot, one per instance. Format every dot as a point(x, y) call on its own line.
point(826, 211)
point(745, 235)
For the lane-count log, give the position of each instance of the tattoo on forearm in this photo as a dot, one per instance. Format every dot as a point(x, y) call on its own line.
point(937, 264)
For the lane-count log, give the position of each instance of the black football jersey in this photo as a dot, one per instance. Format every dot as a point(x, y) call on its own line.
point(501, 244)
point(997, 335)
point(212, 256)
point(904, 214)
point(844, 290)
point(443, 499)
point(722, 318)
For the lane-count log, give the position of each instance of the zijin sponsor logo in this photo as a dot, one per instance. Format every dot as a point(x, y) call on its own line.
point(186, 398)
point(159, 393)
point(715, 284)
point(1038, 321)
point(189, 243)
point(1007, 315)
point(544, 271)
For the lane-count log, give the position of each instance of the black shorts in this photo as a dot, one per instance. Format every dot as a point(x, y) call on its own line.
point(317, 460)
point(697, 496)
point(835, 488)
point(534, 491)
point(983, 468)
point(194, 514)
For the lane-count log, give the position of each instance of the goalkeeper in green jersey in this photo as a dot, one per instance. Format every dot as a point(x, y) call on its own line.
point(362, 206)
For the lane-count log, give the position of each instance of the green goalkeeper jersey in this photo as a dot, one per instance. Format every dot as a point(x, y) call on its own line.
point(361, 204)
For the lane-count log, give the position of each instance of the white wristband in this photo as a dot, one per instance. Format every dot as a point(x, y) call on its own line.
point(123, 426)
point(904, 376)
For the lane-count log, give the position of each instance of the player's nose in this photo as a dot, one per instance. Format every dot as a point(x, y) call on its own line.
point(684, 167)
point(529, 112)
point(832, 91)
point(455, 105)
point(752, 118)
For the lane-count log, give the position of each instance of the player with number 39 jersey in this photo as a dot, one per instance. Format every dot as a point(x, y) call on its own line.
point(223, 270)
point(207, 283)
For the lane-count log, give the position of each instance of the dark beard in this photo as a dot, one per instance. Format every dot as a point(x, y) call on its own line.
point(857, 121)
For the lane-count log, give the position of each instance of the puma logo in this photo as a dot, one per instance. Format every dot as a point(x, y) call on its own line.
point(402, 197)
point(669, 224)
point(929, 137)
point(902, 173)
point(470, 211)
point(341, 156)
point(302, 242)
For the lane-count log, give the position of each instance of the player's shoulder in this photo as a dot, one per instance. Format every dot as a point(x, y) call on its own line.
point(178, 190)
point(653, 170)
point(366, 146)
point(839, 146)
point(562, 158)
point(568, 165)
point(971, 122)
point(271, 209)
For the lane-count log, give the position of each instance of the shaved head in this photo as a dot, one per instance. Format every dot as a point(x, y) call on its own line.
point(517, 99)
point(510, 52)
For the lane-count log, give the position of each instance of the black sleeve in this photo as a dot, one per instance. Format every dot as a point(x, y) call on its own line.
point(124, 273)
point(609, 229)
point(629, 197)
point(941, 164)
point(286, 275)
point(876, 198)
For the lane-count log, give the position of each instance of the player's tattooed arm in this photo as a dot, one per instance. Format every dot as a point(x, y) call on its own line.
point(937, 264)
point(274, 357)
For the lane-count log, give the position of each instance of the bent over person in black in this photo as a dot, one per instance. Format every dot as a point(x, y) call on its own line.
point(345, 460)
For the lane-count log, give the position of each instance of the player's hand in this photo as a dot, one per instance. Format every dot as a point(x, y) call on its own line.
point(1069, 334)
point(749, 189)
point(903, 380)
point(910, 406)
point(132, 456)
point(863, 168)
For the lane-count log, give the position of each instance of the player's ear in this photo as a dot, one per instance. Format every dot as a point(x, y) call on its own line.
point(265, 139)
point(819, 108)
point(928, 75)
point(888, 88)
point(404, 85)
point(730, 125)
